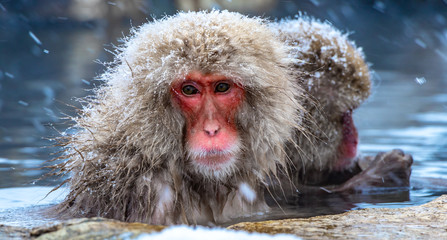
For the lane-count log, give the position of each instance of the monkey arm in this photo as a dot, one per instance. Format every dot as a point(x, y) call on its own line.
point(391, 169)
point(385, 171)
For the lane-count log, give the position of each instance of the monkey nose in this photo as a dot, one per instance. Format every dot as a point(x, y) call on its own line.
point(211, 129)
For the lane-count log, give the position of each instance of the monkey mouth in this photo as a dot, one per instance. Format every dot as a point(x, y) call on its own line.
point(214, 166)
point(217, 164)
point(213, 159)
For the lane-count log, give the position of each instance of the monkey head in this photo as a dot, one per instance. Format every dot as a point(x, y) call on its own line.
point(200, 95)
point(336, 81)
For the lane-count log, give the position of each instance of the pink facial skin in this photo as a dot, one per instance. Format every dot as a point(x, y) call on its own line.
point(209, 103)
point(348, 146)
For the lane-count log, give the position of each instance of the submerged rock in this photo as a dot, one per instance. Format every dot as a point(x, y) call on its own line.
point(428, 221)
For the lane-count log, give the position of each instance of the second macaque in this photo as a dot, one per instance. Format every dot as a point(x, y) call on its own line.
point(202, 112)
point(336, 80)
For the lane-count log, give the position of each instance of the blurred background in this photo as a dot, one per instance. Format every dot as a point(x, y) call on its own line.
point(50, 49)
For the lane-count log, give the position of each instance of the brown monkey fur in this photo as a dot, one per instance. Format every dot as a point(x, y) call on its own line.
point(126, 159)
point(335, 78)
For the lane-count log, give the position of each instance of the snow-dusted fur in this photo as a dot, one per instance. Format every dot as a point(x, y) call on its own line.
point(336, 79)
point(126, 160)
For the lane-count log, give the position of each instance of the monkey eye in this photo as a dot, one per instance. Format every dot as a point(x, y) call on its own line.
point(189, 90)
point(222, 87)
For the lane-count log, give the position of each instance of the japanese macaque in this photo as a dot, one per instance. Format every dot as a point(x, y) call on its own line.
point(336, 81)
point(202, 112)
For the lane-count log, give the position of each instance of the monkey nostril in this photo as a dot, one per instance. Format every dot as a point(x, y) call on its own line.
point(211, 132)
point(211, 128)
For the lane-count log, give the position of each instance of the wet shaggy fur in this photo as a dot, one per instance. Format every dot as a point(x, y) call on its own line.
point(126, 159)
point(335, 79)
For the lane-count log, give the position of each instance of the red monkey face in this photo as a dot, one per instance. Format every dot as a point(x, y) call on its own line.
point(209, 103)
point(348, 145)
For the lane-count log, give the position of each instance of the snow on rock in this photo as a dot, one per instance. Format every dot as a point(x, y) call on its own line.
point(203, 233)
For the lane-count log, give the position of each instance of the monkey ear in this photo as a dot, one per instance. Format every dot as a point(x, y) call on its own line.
point(330, 66)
